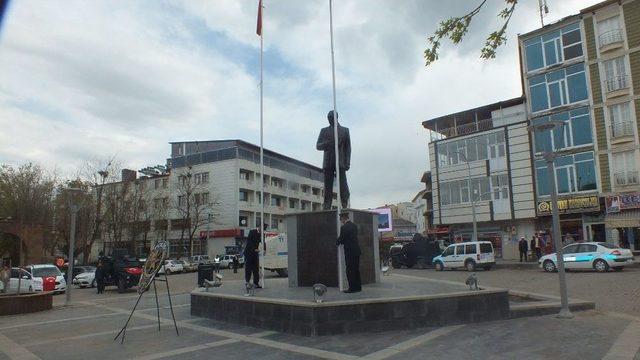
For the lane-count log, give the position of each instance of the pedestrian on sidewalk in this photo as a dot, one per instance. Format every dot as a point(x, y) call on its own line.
point(235, 264)
point(537, 247)
point(99, 275)
point(523, 247)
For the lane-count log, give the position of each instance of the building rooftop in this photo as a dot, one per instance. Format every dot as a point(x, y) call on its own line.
point(468, 121)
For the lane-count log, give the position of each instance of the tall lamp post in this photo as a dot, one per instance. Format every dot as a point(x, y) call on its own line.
point(549, 156)
point(473, 201)
point(73, 206)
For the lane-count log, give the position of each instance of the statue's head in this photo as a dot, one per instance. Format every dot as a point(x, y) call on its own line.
point(330, 117)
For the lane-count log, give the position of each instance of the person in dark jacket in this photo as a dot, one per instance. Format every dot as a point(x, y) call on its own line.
point(235, 264)
point(99, 276)
point(523, 246)
point(349, 238)
point(251, 258)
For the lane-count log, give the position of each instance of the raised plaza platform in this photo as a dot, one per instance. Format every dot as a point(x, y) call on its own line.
point(394, 303)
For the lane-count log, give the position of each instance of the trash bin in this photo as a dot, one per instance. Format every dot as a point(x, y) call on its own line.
point(205, 271)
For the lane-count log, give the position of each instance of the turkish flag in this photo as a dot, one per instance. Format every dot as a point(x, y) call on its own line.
point(259, 26)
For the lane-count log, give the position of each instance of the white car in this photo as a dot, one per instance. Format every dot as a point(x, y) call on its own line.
point(201, 259)
point(42, 271)
point(171, 267)
point(86, 278)
point(467, 255)
point(226, 261)
point(589, 255)
point(26, 283)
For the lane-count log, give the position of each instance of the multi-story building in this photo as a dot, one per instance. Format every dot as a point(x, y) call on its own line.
point(490, 146)
point(581, 70)
point(555, 78)
point(612, 39)
point(213, 190)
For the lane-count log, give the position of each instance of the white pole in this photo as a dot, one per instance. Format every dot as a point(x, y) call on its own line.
point(261, 147)
point(336, 150)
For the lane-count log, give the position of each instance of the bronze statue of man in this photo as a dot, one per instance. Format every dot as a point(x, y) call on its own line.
point(326, 144)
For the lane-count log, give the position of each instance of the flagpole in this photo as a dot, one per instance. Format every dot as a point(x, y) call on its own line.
point(336, 151)
point(261, 148)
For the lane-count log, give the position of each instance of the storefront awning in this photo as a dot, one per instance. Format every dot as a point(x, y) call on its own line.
point(629, 218)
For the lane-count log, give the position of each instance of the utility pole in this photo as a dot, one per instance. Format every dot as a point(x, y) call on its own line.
point(73, 206)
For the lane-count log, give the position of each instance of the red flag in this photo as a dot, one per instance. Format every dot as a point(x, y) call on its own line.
point(259, 27)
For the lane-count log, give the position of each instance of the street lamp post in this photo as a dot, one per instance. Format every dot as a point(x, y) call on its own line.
point(73, 206)
point(472, 198)
point(549, 156)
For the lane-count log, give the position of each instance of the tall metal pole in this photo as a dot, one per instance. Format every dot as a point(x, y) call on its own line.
point(261, 142)
point(565, 312)
point(72, 239)
point(336, 151)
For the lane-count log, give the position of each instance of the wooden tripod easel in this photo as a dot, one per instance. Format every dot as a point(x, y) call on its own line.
point(123, 331)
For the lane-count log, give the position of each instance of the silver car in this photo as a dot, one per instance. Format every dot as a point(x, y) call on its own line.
point(589, 255)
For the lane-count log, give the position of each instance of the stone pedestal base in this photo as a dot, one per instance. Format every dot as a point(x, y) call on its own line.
point(312, 250)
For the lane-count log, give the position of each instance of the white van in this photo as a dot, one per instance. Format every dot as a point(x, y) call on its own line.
point(468, 255)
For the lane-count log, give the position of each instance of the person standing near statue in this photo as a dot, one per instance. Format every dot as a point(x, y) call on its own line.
point(349, 238)
point(251, 258)
point(325, 143)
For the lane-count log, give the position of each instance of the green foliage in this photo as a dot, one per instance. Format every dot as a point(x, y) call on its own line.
point(456, 28)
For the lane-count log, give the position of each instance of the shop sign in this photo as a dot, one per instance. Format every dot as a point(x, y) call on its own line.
point(570, 205)
point(438, 230)
point(623, 202)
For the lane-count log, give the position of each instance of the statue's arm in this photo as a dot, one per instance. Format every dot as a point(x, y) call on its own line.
point(324, 141)
point(347, 151)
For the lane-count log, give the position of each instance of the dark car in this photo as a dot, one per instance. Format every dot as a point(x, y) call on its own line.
point(121, 270)
point(418, 253)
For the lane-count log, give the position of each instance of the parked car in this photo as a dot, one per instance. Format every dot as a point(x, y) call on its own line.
point(44, 272)
point(171, 267)
point(468, 255)
point(86, 278)
point(187, 265)
point(201, 259)
point(26, 283)
point(226, 261)
point(121, 269)
point(589, 255)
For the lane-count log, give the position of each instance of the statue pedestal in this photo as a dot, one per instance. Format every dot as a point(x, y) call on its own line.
point(312, 250)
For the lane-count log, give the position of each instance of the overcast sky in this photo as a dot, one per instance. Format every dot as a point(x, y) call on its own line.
point(87, 80)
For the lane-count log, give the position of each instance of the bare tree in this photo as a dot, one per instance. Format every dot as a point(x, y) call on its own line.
point(456, 28)
point(193, 204)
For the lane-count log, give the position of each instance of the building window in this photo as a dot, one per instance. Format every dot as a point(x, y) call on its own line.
point(305, 189)
point(157, 183)
point(458, 191)
point(574, 173)
point(554, 47)
point(500, 186)
point(609, 31)
point(182, 200)
point(161, 203)
point(276, 201)
point(184, 180)
point(202, 199)
point(625, 168)
point(292, 204)
point(275, 182)
point(558, 88)
point(315, 191)
point(621, 124)
point(165, 183)
point(244, 175)
point(244, 195)
point(615, 74)
point(576, 132)
point(476, 148)
point(303, 206)
point(202, 178)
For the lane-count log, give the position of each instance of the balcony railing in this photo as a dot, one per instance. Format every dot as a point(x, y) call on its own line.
point(481, 125)
point(617, 83)
point(628, 178)
point(610, 37)
point(624, 128)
